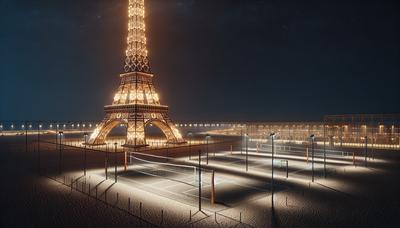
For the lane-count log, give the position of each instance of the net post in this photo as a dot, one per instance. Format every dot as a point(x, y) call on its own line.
point(307, 155)
point(213, 187)
point(125, 161)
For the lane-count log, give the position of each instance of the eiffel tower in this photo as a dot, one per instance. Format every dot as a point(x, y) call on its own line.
point(136, 103)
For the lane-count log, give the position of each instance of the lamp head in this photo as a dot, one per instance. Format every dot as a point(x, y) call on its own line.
point(272, 135)
point(312, 137)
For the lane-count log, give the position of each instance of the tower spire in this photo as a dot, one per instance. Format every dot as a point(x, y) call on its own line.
point(136, 52)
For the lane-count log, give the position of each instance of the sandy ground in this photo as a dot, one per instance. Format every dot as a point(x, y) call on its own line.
point(29, 200)
point(349, 197)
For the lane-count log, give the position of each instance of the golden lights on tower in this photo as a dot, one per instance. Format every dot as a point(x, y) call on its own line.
point(136, 52)
point(136, 103)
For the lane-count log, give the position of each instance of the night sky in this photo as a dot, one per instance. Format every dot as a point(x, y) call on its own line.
point(213, 59)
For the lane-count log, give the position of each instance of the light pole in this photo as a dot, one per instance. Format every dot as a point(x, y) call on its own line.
point(85, 135)
point(190, 134)
point(60, 153)
point(199, 180)
point(115, 162)
point(312, 137)
point(324, 150)
point(106, 162)
point(366, 150)
point(272, 136)
point(247, 152)
point(1, 129)
point(241, 141)
point(39, 128)
point(207, 137)
point(56, 135)
point(26, 136)
point(38, 136)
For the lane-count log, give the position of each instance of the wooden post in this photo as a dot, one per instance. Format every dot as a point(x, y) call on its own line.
point(162, 216)
point(287, 168)
point(105, 167)
point(140, 210)
point(213, 187)
point(307, 154)
point(125, 161)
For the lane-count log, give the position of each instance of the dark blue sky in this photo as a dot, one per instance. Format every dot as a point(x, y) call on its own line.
point(213, 60)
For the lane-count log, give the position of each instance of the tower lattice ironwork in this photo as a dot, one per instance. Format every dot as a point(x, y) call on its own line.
point(136, 103)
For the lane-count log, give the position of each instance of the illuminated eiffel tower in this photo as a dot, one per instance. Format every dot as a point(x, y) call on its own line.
point(136, 103)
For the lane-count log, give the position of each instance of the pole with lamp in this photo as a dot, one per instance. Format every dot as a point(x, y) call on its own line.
point(272, 136)
point(207, 138)
point(106, 162)
point(199, 180)
point(241, 141)
point(39, 128)
point(324, 150)
point(366, 149)
point(115, 162)
point(60, 153)
point(85, 135)
point(190, 134)
point(57, 135)
point(25, 127)
point(247, 152)
point(312, 138)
